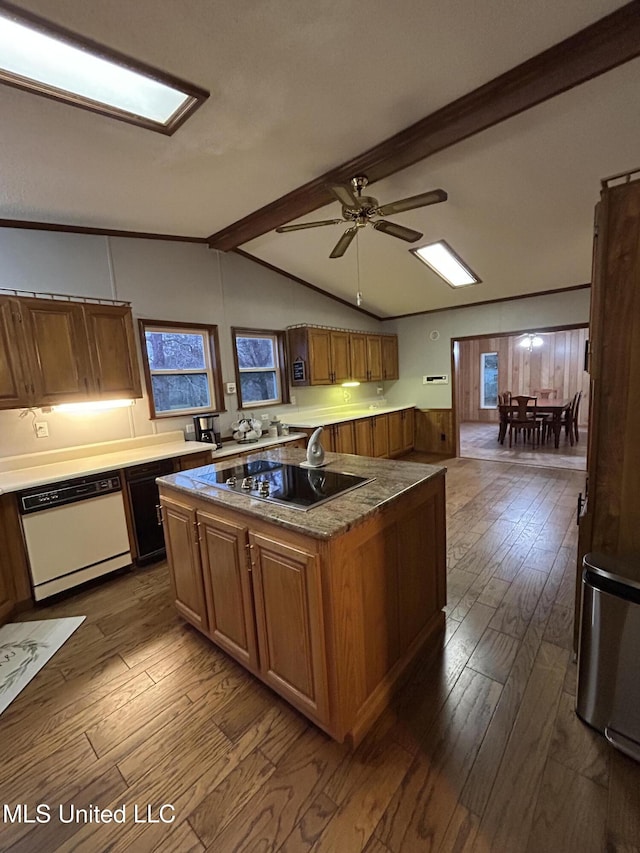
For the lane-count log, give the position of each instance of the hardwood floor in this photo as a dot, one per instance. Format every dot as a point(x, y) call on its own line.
point(481, 751)
point(480, 441)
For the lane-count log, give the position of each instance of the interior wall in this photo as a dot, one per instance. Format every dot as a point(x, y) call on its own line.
point(557, 364)
point(163, 281)
point(421, 355)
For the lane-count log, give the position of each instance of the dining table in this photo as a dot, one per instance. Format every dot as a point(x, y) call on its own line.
point(555, 408)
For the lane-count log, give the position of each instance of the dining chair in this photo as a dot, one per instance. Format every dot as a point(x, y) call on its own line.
point(504, 410)
point(525, 419)
point(569, 421)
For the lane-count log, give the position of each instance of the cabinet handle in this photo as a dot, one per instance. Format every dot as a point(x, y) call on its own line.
point(86, 384)
point(159, 514)
point(580, 504)
point(196, 532)
point(26, 388)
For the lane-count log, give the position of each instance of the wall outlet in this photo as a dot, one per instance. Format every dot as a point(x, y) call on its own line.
point(231, 387)
point(265, 416)
point(41, 429)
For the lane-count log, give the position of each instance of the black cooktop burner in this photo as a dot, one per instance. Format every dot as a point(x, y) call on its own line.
point(289, 485)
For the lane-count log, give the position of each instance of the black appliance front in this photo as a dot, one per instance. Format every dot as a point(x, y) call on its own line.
point(289, 485)
point(145, 500)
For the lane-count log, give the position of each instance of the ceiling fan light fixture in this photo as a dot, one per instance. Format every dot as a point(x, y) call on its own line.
point(441, 258)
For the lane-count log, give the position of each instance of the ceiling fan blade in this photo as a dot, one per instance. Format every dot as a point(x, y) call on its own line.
point(421, 200)
point(345, 196)
point(398, 231)
point(284, 228)
point(344, 242)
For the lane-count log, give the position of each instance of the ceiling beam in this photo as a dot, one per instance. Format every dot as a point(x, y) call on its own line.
point(609, 42)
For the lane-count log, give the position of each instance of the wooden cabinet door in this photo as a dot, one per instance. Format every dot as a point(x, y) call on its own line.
point(15, 380)
point(319, 356)
point(183, 556)
point(358, 350)
point(288, 599)
point(345, 438)
point(113, 351)
point(226, 569)
point(340, 357)
point(390, 357)
point(194, 460)
point(380, 435)
point(58, 351)
point(396, 435)
point(408, 429)
point(374, 358)
point(364, 437)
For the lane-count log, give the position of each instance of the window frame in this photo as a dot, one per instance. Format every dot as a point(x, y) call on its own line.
point(213, 371)
point(483, 404)
point(281, 369)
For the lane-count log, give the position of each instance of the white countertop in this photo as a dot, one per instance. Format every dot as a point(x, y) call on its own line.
point(111, 456)
point(312, 419)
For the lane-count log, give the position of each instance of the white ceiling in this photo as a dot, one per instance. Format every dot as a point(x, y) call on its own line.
point(298, 88)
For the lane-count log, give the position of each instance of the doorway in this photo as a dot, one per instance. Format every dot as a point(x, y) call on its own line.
point(548, 365)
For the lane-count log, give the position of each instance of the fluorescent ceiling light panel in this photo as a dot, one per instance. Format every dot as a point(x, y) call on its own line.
point(444, 261)
point(45, 59)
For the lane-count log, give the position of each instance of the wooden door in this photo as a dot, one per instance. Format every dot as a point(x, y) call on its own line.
point(183, 556)
point(374, 358)
point(358, 351)
point(58, 350)
point(396, 435)
point(113, 351)
point(288, 598)
point(226, 567)
point(319, 356)
point(408, 429)
point(340, 357)
point(345, 438)
point(390, 369)
point(15, 380)
point(364, 437)
point(380, 435)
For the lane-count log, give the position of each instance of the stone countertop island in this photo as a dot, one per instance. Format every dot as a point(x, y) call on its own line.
point(328, 606)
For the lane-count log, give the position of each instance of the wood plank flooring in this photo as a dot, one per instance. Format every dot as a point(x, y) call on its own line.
point(480, 441)
point(481, 751)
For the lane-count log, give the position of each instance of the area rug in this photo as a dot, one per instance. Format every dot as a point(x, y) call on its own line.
point(25, 647)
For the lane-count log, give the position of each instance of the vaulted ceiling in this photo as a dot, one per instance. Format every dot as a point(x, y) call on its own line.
point(303, 94)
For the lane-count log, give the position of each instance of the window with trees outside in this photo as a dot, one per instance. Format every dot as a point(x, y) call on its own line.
point(181, 368)
point(488, 380)
point(260, 367)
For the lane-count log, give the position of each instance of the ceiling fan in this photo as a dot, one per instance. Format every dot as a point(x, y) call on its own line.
point(360, 210)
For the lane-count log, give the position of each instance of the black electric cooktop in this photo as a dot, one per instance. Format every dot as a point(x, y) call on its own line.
point(288, 485)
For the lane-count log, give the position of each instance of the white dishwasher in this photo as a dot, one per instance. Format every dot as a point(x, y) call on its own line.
point(74, 531)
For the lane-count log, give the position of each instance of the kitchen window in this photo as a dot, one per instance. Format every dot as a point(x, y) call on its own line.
point(260, 367)
point(181, 368)
point(488, 380)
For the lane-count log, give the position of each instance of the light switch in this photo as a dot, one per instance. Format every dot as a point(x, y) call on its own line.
point(41, 429)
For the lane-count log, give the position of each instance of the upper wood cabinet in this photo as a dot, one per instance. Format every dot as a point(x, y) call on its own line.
point(321, 356)
point(390, 368)
point(15, 391)
point(57, 351)
point(112, 350)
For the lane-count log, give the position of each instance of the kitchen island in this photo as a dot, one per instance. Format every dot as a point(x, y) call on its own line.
point(329, 606)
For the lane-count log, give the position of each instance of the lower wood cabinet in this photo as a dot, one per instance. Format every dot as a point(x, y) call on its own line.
point(408, 429)
point(227, 585)
point(372, 436)
point(396, 433)
point(288, 598)
point(331, 625)
point(193, 460)
point(183, 555)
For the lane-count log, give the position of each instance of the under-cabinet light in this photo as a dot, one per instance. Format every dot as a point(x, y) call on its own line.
point(353, 384)
point(92, 406)
point(44, 58)
point(445, 263)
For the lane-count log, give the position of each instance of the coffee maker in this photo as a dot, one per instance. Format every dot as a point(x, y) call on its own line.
point(206, 427)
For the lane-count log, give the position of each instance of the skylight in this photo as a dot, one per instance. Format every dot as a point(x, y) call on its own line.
point(50, 61)
point(444, 261)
